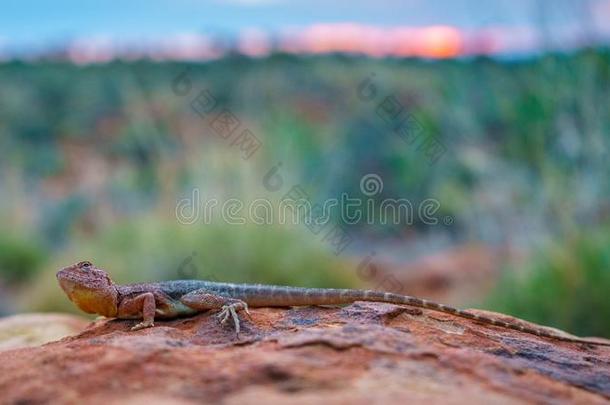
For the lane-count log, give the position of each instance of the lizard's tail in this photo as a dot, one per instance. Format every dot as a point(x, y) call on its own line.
point(368, 295)
point(265, 295)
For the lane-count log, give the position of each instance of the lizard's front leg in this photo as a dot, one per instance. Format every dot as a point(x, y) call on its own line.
point(143, 304)
point(201, 300)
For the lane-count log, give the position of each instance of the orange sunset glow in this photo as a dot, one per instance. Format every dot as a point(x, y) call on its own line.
point(432, 42)
point(440, 42)
point(428, 42)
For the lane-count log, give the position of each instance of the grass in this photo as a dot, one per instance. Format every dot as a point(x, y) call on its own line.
point(20, 257)
point(566, 286)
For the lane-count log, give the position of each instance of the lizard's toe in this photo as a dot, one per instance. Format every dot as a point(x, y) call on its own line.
point(224, 314)
point(247, 311)
point(143, 325)
point(230, 311)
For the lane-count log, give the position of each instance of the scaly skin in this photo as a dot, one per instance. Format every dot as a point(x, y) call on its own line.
point(92, 290)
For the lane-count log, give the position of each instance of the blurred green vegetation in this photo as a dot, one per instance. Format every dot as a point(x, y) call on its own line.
point(94, 158)
point(20, 257)
point(565, 285)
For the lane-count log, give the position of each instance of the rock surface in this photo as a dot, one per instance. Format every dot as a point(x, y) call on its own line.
point(358, 354)
point(36, 329)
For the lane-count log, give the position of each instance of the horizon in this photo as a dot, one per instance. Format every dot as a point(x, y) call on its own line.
point(203, 30)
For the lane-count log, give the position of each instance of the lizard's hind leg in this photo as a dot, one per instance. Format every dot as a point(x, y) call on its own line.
point(231, 309)
point(202, 300)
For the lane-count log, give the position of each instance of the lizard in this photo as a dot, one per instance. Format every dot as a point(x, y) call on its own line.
point(94, 292)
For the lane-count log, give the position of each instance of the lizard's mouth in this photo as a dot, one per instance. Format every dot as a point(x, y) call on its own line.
point(72, 288)
point(65, 283)
point(69, 288)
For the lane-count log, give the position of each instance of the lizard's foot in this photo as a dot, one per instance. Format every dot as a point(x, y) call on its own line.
point(230, 310)
point(143, 325)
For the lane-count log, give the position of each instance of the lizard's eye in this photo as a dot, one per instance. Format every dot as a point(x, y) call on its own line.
point(84, 265)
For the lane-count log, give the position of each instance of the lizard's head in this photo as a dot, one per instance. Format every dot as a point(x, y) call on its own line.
point(90, 288)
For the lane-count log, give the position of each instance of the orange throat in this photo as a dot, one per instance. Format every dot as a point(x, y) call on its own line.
point(93, 302)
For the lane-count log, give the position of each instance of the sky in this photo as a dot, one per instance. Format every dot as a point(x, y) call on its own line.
point(30, 24)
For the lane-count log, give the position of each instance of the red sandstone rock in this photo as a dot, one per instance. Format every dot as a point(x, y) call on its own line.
point(362, 353)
